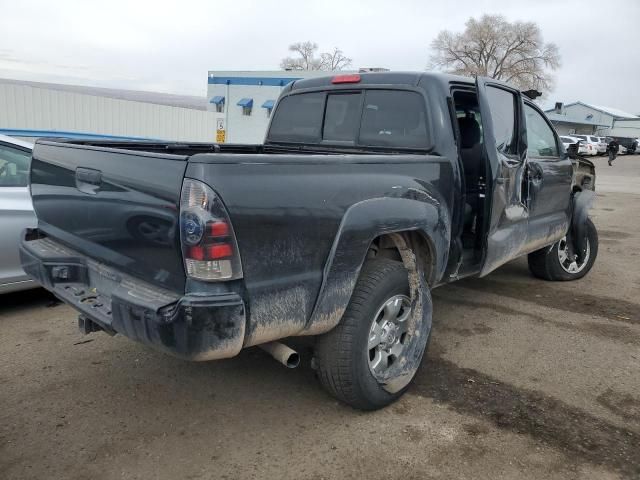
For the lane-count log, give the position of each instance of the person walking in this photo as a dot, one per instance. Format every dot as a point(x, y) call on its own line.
point(613, 148)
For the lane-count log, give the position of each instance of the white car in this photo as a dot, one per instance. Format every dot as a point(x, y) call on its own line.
point(16, 211)
point(567, 140)
point(603, 145)
point(591, 143)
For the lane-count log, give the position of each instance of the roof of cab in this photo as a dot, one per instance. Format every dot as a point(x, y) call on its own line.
point(383, 78)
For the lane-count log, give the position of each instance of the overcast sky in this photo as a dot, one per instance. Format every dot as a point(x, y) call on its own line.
point(170, 46)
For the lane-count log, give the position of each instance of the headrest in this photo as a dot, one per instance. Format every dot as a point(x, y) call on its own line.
point(469, 131)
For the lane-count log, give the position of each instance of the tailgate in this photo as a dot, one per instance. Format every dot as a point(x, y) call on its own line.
point(116, 206)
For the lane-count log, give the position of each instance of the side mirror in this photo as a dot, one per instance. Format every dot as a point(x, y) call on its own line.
point(572, 151)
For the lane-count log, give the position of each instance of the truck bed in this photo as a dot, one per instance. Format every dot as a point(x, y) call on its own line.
point(118, 203)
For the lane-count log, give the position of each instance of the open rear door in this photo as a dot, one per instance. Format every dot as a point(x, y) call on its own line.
point(506, 216)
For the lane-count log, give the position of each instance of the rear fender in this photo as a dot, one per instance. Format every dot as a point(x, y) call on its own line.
point(362, 223)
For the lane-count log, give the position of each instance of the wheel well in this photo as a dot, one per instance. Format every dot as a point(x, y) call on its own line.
point(387, 246)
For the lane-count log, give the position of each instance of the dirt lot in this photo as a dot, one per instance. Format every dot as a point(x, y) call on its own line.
point(524, 379)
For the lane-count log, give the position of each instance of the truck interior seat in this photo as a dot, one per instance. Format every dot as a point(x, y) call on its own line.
point(471, 153)
point(471, 149)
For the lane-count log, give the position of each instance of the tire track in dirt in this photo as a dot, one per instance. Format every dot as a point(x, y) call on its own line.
point(617, 333)
point(547, 420)
point(547, 294)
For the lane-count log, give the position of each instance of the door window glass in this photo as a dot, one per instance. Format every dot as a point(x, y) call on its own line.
point(503, 115)
point(14, 167)
point(541, 142)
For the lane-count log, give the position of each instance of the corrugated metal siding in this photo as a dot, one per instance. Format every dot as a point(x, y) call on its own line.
point(33, 108)
point(625, 128)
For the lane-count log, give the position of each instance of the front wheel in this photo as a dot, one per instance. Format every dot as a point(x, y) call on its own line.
point(559, 263)
point(370, 358)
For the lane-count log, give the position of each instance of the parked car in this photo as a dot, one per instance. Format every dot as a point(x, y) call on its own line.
point(16, 211)
point(629, 143)
point(566, 141)
point(602, 145)
point(591, 143)
point(360, 201)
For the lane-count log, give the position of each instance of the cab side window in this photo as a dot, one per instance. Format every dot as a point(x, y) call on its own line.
point(541, 141)
point(14, 167)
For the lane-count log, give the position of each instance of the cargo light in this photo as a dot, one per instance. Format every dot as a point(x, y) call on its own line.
point(354, 78)
point(209, 246)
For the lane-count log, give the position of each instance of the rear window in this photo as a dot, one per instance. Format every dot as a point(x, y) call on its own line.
point(581, 137)
point(342, 117)
point(375, 118)
point(393, 118)
point(298, 118)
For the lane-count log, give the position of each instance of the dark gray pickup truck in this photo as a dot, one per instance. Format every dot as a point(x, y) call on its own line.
point(369, 191)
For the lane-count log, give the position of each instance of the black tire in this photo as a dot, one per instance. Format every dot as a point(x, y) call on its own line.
point(545, 264)
point(342, 354)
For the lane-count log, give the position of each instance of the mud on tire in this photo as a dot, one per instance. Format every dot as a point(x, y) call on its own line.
point(343, 355)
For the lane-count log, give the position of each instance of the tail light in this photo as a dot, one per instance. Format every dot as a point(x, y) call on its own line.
point(209, 246)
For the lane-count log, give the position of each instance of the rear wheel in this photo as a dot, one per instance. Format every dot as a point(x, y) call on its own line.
point(360, 362)
point(559, 263)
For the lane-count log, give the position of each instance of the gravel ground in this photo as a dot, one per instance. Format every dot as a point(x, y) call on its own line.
point(524, 379)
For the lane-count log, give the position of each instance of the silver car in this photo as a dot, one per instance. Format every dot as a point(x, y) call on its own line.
point(16, 211)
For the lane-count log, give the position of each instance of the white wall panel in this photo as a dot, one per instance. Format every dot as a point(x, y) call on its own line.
point(34, 108)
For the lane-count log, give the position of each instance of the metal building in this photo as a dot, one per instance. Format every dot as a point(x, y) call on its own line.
point(584, 118)
point(32, 109)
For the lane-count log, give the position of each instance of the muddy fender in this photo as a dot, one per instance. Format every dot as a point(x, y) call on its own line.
point(582, 203)
point(362, 223)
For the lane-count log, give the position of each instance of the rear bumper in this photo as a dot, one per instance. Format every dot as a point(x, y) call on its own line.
point(17, 286)
point(192, 327)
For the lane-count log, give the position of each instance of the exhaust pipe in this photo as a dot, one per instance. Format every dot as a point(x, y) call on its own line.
point(283, 354)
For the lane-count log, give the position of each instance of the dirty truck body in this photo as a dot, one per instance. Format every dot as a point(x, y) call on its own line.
point(201, 250)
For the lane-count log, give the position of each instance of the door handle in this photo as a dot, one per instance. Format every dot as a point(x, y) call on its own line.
point(88, 180)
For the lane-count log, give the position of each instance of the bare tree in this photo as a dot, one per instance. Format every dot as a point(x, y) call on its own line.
point(306, 58)
point(493, 47)
point(334, 60)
